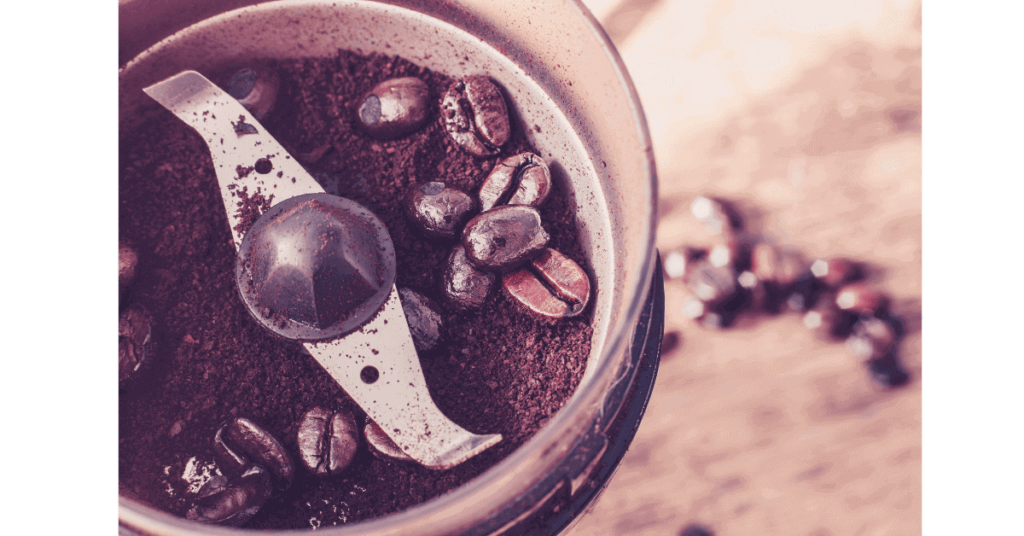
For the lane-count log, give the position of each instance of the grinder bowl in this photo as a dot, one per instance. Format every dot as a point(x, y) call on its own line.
point(564, 78)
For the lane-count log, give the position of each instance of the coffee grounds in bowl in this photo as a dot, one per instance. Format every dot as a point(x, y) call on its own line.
point(498, 369)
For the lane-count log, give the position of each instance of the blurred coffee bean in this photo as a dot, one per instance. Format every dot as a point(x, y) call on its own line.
point(475, 116)
point(424, 319)
point(872, 338)
point(504, 238)
point(127, 264)
point(803, 293)
point(837, 271)
point(696, 530)
point(693, 308)
point(381, 445)
point(831, 322)
point(680, 259)
point(438, 211)
point(550, 285)
point(231, 501)
point(771, 263)
point(675, 265)
point(394, 108)
point(717, 315)
point(720, 256)
point(861, 298)
point(255, 87)
point(709, 283)
point(240, 441)
point(327, 441)
point(669, 343)
point(887, 371)
point(466, 286)
point(134, 343)
point(718, 216)
point(523, 179)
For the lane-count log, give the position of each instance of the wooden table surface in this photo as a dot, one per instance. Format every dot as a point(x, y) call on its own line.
point(808, 116)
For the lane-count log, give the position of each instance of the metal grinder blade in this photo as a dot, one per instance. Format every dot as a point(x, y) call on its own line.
point(397, 399)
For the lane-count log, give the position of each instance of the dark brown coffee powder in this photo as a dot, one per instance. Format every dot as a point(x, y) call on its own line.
point(497, 370)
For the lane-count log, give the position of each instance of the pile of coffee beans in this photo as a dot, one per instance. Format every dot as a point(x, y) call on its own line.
point(739, 274)
point(499, 232)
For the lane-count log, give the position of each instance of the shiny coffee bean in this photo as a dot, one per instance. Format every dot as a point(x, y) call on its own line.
point(424, 319)
point(770, 263)
point(256, 88)
point(231, 501)
point(381, 445)
point(134, 343)
point(327, 441)
point(550, 285)
point(831, 322)
point(871, 339)
point(466, 287)
point(887, 371)
point(803, 293)
point(438, 211)
point(861, 298)
point(475, 116)
point(523, 179)
point(127, 263)
point(394, 108)
point(837, 271)
point(504, 238)
point(679, 260)
point(240, 442)
point(719, 217)
point(709, 283)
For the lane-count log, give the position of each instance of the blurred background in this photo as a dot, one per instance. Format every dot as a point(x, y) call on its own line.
point(807, 116)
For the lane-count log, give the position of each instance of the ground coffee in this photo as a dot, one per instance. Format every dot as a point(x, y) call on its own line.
point(497, 370)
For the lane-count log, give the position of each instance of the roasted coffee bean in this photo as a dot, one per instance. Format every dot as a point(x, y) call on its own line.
point(871, 339)
point(394, 108)
point(719, 315)
point(837, 271)
point(523, 179)
point(255, 87)
point(134, 343)
point(669, 343)
point(887, 371)
point(709, 283)
point(550, 285)
point(240, 442)
point(327, 441)
point(475, 116)
point(830, 322)
point(381, 445)
point(438, 211)
point(861, 298)
point(770, 263)
point(504, 238)
point(127, 263)
point(466, 286)
point(679, 260)
point(231, 500)
point(718, 216)
point(803, 293)
point(696, 530)
point(423, 317)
